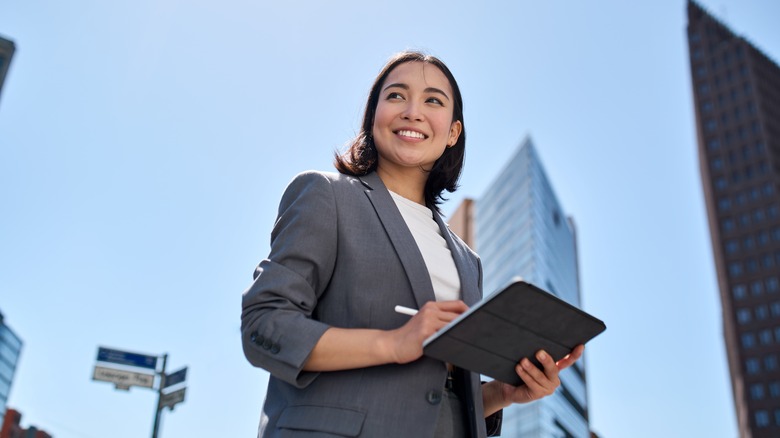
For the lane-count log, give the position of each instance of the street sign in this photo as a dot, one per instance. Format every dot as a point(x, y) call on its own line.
point(174, 378)
point(123, 379)
point(172, 398)
point(127, 358)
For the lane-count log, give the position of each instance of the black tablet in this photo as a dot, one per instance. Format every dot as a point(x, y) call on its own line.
point(508, 325)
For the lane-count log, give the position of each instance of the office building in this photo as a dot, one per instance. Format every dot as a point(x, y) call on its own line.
point(736, 92)
point(519, 229)
point(10, 347)
point(6, 53)
point(12, 427)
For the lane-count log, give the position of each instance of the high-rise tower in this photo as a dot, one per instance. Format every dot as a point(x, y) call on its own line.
point(519, 229)
point(10, 347)
point(736, 91)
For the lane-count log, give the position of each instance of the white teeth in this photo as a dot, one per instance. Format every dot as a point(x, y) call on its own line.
point(412, 134)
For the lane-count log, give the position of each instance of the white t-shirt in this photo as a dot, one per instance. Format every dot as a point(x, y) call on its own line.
point(434, 249)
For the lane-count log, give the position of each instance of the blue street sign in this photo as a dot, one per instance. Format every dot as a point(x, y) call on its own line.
point(126, 358)
point(174, 378)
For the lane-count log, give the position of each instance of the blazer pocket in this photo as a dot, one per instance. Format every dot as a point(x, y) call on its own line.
point(337, 421)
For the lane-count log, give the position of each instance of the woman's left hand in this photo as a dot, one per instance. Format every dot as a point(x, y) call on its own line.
point(538, 383)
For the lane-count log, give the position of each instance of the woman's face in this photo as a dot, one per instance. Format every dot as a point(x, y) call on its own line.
point(413, 121)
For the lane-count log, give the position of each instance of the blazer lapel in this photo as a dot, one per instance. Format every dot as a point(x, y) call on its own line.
point(469, 276)
point(401, 238)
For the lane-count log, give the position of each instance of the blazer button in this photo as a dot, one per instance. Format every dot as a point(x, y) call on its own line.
point(266, 344)
point(433, 396)
point(275, 348)
point(257, 339)
point(253, 337)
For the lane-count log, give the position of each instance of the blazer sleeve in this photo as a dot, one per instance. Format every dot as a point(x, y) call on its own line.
point(277, 329)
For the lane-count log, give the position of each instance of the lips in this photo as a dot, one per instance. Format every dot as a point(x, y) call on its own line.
point(411, 134)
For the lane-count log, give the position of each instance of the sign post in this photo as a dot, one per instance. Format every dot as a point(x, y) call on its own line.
point(125, 369)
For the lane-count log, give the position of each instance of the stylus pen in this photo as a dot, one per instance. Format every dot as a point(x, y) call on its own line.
point(405, 310)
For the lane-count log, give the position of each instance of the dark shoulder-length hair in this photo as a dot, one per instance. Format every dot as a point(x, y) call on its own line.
point(361, 156)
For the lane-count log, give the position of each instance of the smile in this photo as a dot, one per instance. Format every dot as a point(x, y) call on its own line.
point(412, 134)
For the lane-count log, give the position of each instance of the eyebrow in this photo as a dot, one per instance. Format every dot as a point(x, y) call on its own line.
point(427, 90)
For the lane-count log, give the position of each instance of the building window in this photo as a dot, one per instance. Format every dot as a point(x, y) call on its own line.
point(753, 366)
point(757, 391)
point(763, 238)
point(774, 211)
point(777, 417)
point(732, 246)
point(721, 183)
point(774, 389)
point(728, 225)
point(735, 269)
point(755, 193)
point(748, 340)
point(751, 265)
point(724, 204)
point(739, 291)
point(762, 418)
point(756, 288)
point(744, 218)
point(768, 189)
point(767, 261)
point(775, 311)
point(743, 316)
point(716, 164)
point(762, 312)
point(765, 337)
point(707, 106)
point(772, 284)
point(777, 333)
point(758, 215)
point(770, 362)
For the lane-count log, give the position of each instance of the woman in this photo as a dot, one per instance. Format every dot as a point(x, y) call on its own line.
point(345, 250)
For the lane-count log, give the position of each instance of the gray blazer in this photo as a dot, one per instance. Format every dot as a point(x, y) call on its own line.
point(342, 255)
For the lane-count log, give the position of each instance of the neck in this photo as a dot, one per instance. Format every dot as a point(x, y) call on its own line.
point(408, 183)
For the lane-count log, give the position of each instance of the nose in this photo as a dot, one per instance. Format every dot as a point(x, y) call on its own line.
point(412, 112)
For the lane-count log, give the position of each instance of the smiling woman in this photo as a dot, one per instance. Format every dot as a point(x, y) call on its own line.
point(349, 247)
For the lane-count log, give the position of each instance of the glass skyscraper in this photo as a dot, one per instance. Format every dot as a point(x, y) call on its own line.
point(519, 229)
point(10, 347)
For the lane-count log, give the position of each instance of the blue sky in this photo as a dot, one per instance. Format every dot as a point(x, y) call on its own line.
point(145, 146)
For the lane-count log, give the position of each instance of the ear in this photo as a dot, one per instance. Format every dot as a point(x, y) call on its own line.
point(455, 130)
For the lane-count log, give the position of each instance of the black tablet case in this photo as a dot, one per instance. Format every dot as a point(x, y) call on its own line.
point(516, 322)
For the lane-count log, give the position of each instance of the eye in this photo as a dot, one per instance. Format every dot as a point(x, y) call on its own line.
point(394, 96)
point(435, 100)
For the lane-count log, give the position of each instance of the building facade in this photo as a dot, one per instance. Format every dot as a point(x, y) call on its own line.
point(10, 348)
point(12, 428)
point(736, 92)
point(520, 229)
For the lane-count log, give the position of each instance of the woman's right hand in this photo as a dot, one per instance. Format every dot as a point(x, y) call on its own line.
point(406, 341)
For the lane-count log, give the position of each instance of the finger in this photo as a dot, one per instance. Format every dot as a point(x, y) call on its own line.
point(550, 368)
point(533, 379)
point(570, 358)
point(455, 306)
point(537, 379)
